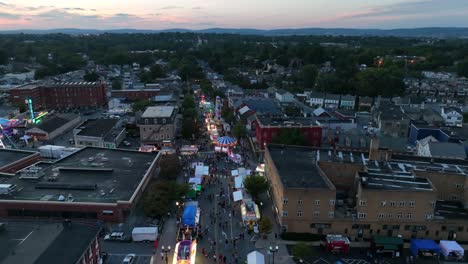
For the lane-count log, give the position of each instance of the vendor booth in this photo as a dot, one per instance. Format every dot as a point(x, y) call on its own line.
point(239, 182)
point(201, 171)
point(424, 248)
point(189, 150)
point(451, 250)
point(384, 245)
point(190, 221)
point(255, 257)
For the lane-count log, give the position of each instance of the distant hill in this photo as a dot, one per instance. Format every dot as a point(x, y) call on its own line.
point(433, 32)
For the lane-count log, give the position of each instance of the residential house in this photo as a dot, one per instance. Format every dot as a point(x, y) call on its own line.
point(332, 101)
point(284, 96)
point(452, 116)
point(316, 99)
point(391, 120)
point(365, 102)
point(348, 101)
point(158, 125)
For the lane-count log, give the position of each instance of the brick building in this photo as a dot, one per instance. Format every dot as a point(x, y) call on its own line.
point(61, 95)
point(365, 193)
point(92, 183)
point(158, 125)
point(266, 129)
point(136, 94)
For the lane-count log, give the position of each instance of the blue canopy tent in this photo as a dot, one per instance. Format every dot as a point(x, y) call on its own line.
point(226, 141)
point(190, 215)
point(420, 245)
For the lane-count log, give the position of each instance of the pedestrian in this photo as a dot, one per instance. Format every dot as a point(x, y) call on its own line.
point(214, 258)
point(224, 259)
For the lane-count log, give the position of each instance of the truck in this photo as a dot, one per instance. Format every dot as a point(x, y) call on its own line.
point(140, 234)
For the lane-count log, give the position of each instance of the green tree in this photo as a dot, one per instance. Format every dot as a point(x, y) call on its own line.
point(227, 114)
point(157, 71)
point(255, 185)
point(145, 77)
point(292, 111)
point(116, 84)
point(290, 136)
point(188, 102)
point(239, 130)
point(141, 105)
point(462, 68)
point(91, 77)
point(162, 196)
point(265, 226)
point(309, 75)
point(384, 81)
point(189, 128)
point(170, 166)
point(301, 250)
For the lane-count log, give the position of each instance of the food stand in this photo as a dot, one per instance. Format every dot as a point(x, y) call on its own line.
point(424, 248)
point(451, 250)
point(385, 245)
point(336, 243)
point(250, 212)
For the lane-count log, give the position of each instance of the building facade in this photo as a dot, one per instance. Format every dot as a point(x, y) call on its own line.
point(367, 193)
point(266, 129)
point(158, 125)
point(62, 95)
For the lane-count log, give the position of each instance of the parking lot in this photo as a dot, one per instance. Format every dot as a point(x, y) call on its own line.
point(118, 258)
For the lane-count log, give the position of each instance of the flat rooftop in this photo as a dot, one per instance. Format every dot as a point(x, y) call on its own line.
point(91, 174)
point(158, 111)
point(297, 167)
point(8, 156)
point(97, 127)
point(284, 122)
point(402, 181)
point(34, 242)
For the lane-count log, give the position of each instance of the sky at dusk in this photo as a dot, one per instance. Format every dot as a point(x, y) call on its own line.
point(200, 14)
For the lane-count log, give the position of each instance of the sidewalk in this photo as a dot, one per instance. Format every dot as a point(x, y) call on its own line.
point(167, 238)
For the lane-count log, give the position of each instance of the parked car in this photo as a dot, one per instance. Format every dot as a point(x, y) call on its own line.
point(126, 143)
point(117, 236)
point(129, 259)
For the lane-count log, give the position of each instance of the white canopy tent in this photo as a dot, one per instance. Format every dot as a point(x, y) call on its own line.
point(195, 180)
point(451, 249)
point(201, 171)
point(234, 173)
point(255, 257)
point(238, 196)
point(239, 182)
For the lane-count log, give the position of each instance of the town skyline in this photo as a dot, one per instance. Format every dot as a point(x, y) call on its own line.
point(262, 14)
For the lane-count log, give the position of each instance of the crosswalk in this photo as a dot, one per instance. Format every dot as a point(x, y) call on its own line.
point(355, 261)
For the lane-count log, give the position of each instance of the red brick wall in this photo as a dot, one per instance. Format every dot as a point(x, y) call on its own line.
point(264, 135)
point(134, 95)
point(18, 96)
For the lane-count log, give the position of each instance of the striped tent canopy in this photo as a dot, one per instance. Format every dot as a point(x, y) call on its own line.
point(226, 141)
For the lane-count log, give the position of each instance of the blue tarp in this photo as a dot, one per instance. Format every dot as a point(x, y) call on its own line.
point(188, 218)
point(423, 244)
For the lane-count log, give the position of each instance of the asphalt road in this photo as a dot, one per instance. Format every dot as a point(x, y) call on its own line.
point(118, 258)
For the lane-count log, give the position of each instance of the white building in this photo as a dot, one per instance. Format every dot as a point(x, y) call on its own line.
point(316, 99)
point(452, 116)
point(284, 96)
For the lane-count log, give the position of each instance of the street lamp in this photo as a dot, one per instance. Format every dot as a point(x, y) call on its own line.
point(273, 250)
point(164, 252)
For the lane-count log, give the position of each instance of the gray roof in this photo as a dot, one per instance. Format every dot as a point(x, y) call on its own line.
point(55, 122)
point(390, 111)
point(317, 95)
point(296, 167)
point(97, 127)
point(8, 156)
point(348, 97)
point(158, 111)
point(332, 97)
point(263, 106)
point(43, 240)
point(447, 149)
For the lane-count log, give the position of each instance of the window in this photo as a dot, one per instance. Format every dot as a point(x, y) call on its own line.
point(411, 203)
point(317, 202)
point(146, 121)
point(402, 203)
point(389, 215)
point(285, 200)
point(362, 203)
point(433, 204)
point(392, 203)
point(399, 215)
point(383, 203)
point(409, 216)
point(459, 186)
point(299, 213)
point(429, 216)
point(381, 215)
point(164, 121)
point(299, 201)
point(316, 213)
point(331, 214)
point(453, 197)
point(361, 215)
point(332, 202)
point(285, 213)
